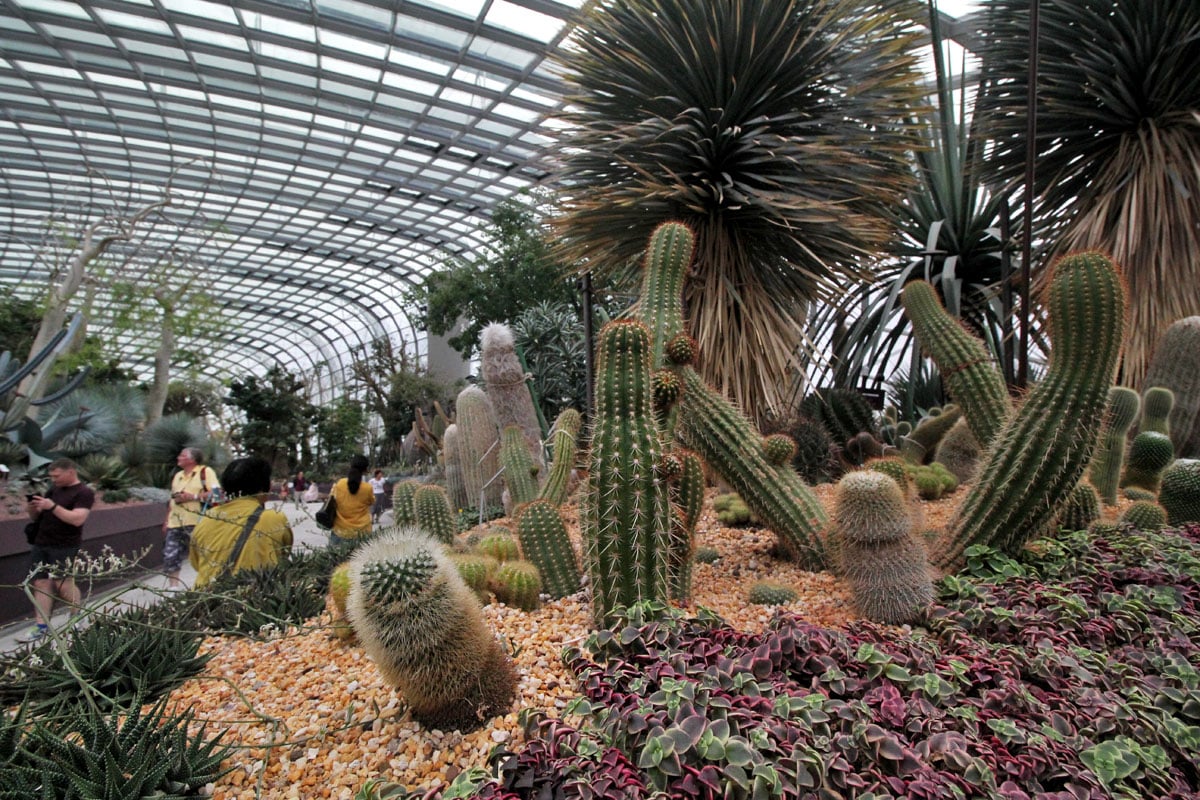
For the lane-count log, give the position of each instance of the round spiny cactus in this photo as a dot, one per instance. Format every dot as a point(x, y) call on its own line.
point(1145, 515)
point(1149, 454)
point(422, 626)
point(433, 512)
point(500, 546)
point(1180, 493)
point(518, 583)
point(928, 483)
point(870, 508)
point(1082, 508)
point(706, 555)
point(779, 449)
point(667, 388)
point(769, 593)
point(670, 467)
point(891, 582)
point(1135, 493)
point(476, 571)
point(895, 468)
point(681, 349)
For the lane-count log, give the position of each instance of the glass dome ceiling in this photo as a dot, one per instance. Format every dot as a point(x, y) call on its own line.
point(324, 155)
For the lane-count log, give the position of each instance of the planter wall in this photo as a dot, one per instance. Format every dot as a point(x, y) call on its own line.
point(127, 530)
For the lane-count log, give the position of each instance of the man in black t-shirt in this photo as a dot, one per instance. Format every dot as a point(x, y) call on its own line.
point(59, 515)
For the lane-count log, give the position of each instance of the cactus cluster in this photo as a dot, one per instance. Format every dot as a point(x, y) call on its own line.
point(732, 510)
point(770, 593)
point(1035, 461)
point(1176, 366)
point(478, 444)
point(1109, 460)
point(423, 628)
point(545, 544)
point(881, 556)
point(1180, 491)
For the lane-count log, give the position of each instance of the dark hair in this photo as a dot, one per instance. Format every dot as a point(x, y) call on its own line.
point(247, 476)
point(62, 463)
point(358, 465)
point(378, 472)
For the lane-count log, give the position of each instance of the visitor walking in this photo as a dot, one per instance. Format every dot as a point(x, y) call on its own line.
point(59, 516)
point(378, 487)
point(299, 486)
point(354, 498)
point(190, 487)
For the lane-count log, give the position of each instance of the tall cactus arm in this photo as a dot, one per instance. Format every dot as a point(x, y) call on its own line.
point(665, 266)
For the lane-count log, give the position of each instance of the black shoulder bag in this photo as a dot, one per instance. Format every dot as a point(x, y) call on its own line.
point(236, 553)
point(327, 514)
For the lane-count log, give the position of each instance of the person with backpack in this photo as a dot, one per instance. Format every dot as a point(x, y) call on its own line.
point(191, 487)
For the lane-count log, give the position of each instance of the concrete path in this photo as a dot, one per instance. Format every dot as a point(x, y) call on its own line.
point(150, 586)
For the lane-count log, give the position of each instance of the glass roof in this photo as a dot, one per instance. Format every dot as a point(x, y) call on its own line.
point(323, 155)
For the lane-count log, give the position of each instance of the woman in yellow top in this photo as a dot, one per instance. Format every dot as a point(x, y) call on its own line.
point(248, 482)
point(354, 498)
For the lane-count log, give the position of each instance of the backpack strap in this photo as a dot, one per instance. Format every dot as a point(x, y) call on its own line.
point(236, 553)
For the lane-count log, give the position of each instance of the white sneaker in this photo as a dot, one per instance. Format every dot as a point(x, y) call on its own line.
point(35, 634)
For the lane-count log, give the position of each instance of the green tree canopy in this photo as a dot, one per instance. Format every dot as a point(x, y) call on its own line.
point(277, 415)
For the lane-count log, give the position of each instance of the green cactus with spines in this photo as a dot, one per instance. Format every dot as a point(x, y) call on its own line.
point(626, 515)
point(1136, 493)
point(681, 350)
point(948, 478)
point(423, 628)
point(1145, 515)
point(455, 487)
point(667, 390)
point(1108, 463)
point(402, 502)
point(1180, 491)
point(970, 373)
point(882, 557)
point(1082, 508)
point(478, 447)
point(665, 265)
point(770, 593)
point(1176, 366)
point(929, 484)
point(1149, 454)
point(844, 412)
point(779, 449)
point(520, 470)
point(1035, 461)
point(1157, 403)
point(706, 555)
point(687, 497)
point(339, 590)
point(434, 516)
point(895, 468)
point(500, 545)
point(519, 584)
point(959, 452)
point(476, 570)
point(545, 544)
point(565, 434)
point(929, 432)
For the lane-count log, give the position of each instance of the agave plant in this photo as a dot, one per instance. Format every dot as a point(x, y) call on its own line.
point(551, 337)
point(1118, 142)
point(777, 129)
point(109, 412)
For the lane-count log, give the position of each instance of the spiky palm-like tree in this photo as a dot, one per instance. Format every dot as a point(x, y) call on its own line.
point(1118, 144)
point(777, 129)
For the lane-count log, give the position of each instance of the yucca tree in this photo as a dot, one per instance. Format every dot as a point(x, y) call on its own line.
point(1118, 143)
point(777, 129)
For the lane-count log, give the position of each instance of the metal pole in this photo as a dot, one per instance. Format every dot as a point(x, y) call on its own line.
point(1031, 150)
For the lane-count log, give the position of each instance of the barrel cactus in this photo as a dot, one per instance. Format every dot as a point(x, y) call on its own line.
point(1149, 454)
point(433, 514)
point(1180, 491)
point(519, 584)
point(500, 545)
point(402, 502)
point(424, 629)
point(1109, 461)
point(1082, 508)
point(476, 570)
point(478, 444)
point(545, 544)
point(770, 593)
point(1145, 515)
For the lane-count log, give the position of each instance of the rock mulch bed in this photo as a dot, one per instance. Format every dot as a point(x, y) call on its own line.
point(316, 721)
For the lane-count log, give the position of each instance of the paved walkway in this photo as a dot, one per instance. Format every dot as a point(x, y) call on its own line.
point(150, 586)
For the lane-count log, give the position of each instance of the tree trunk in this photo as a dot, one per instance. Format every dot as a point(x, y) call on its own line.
point(157, 397)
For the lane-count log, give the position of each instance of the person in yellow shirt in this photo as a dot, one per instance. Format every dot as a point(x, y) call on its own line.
point(247, 482)
point(354, 498)
point(190, 487)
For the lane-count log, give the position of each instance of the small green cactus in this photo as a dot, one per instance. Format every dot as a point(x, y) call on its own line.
point(1145, 515)
point(706, 555)
point(948, 479)
point(545, 543)
point(1180, 492)
point(518, 584)
point(1149, 454)
point(731, 510)
point(667, 389)
point(769, 593)
point(339, 590)
point(1157, 402)
point(1109, 461)
point(681, 350)
point(520, 470)
point(434, 516)
point(895, 468)
point(1082, 508)
point(402, 502)
point(500, 545)
point(1135, 493)
point(566, 432)
point(779, 449)
point(928, 483)
point(476, 570)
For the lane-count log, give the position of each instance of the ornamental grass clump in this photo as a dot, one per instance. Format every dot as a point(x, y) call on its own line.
point(423, 627)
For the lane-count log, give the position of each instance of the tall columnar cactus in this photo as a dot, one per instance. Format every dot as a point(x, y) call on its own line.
point(1149, 454)
point(478, 447)
point(402, 502)
point(566, 432)
point(1035, 461)
point(626, 510)
point(1157, 403)
point(424, 629)
point(1176, 366)
point(728, 442)
point(969, 372)
point(520, 470)
point(433, 514)
point(454, 477)
point(1180, 492)
point(687, 498)
point(546, 545)
point(881, 556)
point(1107, 464)
point(508, 388)
point(664, 268)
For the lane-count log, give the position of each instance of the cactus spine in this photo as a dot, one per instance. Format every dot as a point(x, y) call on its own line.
point(402, 502)
point(506, 386)
point(1034, 462)
point(520, 470)
point(1157, 403)
point(454, 478)
point(882, 558)
point(433, 514)
point(1105, 470)
point(626, 513)
point(545, 544)
point(423, 628)
point(566, 431)
point(971, 376)
point(478, 447)
point(1176, 366)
